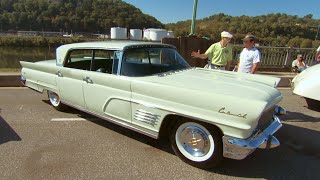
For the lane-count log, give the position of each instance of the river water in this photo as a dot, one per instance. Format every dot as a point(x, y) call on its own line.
point(11, 56)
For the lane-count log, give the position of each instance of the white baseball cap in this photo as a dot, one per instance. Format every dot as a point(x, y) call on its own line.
point(226, 34)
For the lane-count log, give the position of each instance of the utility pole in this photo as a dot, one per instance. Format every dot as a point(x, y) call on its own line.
point(194, 15)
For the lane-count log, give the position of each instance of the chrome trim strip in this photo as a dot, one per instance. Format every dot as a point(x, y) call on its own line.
point(240, 148)
point(147, 113)
point(146, 117)
point(152, 123)
point(114, 120)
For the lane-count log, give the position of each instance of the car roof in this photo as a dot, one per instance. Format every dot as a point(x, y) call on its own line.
point(112, 44)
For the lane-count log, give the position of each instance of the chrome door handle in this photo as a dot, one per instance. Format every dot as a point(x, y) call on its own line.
point(59, 74)
point(88, 80)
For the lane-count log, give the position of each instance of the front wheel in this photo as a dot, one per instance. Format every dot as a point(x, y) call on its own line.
point(55, 101)
point(197, 144)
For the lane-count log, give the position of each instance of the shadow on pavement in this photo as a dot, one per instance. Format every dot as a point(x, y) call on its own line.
point(281, 162)
point(297, 115)
point(7, 134)
point(161, 144)
point(300, 139)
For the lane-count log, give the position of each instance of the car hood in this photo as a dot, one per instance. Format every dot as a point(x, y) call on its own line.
point(241, 85)
point(310, 71)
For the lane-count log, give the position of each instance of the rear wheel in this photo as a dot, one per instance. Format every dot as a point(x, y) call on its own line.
point(55, 101)
point(197, 144)
point(313, 104)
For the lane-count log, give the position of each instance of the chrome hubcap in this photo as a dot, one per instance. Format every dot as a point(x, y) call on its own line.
point(54, 98)
point(194, 141)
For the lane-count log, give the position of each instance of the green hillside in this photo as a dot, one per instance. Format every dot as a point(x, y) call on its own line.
point(72, 15)
point(271, 29)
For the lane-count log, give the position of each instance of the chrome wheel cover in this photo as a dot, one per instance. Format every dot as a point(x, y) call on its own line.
point(54, 98)
point(194, 141)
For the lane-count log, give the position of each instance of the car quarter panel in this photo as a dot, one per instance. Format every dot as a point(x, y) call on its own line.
point(40, 76)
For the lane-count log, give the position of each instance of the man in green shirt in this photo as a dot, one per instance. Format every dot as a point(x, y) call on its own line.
point(219, 54)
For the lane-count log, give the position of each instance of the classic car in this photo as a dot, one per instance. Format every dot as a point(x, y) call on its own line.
point(148, 87)
point(307, 85)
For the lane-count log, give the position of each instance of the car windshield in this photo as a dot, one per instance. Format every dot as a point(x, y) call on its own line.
point(149, 61)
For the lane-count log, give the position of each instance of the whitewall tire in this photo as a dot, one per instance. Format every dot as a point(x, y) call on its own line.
point(55, 101)
point(198, 144)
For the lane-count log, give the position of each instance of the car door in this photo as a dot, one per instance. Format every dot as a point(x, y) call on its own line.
point(70, 77)
point(106, 93)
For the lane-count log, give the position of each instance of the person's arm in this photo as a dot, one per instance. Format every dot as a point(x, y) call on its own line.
point(256, 62)
point(198, 55)
point(228, 65)
point(254, 68)
point(235, 69)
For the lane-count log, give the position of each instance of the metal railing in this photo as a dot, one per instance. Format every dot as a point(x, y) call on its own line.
point(274, 57)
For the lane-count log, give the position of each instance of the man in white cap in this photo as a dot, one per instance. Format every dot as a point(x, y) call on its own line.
point(219, 54)
point(250, 56)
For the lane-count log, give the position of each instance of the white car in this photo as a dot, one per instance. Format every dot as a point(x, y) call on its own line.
point(307, 84)
point(148, 87)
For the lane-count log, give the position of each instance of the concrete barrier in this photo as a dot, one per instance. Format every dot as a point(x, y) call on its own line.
point(10, 79)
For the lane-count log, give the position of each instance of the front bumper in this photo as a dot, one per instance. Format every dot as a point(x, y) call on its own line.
point(240, 148)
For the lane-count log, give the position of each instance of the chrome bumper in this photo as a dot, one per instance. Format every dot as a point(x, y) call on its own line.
point(291, 84)
point(240, 148)
point(23, 80)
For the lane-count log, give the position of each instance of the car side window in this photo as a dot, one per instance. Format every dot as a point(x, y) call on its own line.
point(151, 60)
point(102, 61)
point(90, 59)
point(79, 59)
point(136, 63)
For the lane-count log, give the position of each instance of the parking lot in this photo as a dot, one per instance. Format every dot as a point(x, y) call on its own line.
point(38, 142)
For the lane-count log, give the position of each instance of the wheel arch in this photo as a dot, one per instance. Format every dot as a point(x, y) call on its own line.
point(171, 120)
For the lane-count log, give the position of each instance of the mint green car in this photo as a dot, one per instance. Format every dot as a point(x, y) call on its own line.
point(148, 87)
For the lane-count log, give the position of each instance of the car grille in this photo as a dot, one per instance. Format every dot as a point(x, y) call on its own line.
point(265, 119)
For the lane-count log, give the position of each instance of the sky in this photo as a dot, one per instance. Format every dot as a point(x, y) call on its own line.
point(171, 11)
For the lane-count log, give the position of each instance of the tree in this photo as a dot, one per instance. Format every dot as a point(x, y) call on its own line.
point(306, 43)
point(294, 42)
